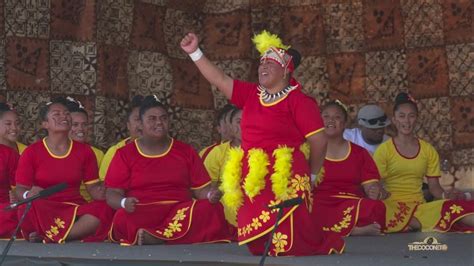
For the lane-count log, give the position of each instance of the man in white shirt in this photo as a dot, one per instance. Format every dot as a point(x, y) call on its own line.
point(371, 131)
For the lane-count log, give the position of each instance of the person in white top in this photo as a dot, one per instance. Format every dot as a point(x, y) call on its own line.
point(371, 131)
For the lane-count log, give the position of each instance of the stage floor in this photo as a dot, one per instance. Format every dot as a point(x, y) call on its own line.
point(384, 250)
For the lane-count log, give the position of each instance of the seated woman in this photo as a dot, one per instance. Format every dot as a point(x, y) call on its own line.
point(79, 133)
point(403, 161)
point(8, 218)
point(214, 161)
point(133, 126)
point(10, 128)
point(346, 200)
point(151, 183)
point(55, 159)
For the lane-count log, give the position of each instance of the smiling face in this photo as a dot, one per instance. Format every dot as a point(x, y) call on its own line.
point(9, 126)
point(404, 118)
point(79, 127)
point(271, 74)
point(155, 123)
point(334, 121)
point(58, 119)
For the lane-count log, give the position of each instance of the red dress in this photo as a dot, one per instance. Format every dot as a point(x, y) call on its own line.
point(54, 216)
point(340, 202)
point(163, 185)
point(272, 128)
point(8, 163)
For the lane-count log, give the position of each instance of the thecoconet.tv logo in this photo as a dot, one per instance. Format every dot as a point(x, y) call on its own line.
point(429, 244)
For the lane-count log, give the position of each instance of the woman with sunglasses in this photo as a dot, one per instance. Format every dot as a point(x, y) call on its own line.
point(347, 198)
point(403, 162)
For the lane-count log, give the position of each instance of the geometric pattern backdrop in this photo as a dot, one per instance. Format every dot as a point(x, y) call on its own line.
point(103, 52)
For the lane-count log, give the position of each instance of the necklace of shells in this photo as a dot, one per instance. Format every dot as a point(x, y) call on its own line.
point(271, 97)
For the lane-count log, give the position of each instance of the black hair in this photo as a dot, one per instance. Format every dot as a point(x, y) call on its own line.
point(136, 102)
point(296, 57)
point(338, 104)
point(149, 102)
point(5, 107)
point(222, 113)
point(233, 113)
point(44, 109)
point(403, 98)
point(75, 107)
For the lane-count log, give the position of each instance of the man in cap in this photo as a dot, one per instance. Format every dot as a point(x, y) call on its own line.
point(371, 131)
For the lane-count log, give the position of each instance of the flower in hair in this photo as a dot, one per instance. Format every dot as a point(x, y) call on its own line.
point(411, 99)
point(156, 98)
point(338, 102)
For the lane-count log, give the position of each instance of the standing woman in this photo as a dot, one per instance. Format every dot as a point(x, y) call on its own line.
point(65, 215)
point(10, 128)
point(270, 168)
point(347, 198)
point(79, 133)
point(160, 189)
point(133, 126)
point(403, 162)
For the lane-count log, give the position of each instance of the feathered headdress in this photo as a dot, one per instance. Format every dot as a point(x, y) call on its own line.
point(271, 47)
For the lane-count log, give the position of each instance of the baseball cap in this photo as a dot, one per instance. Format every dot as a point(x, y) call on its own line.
point(372, 116)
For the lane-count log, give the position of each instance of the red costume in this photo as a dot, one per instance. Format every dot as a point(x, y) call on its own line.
point(163, 185)
point(340, 202)
point(8, 219)
point(53, 217)
point(275, 132)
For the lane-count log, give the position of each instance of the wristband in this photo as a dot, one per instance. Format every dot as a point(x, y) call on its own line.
point(122, 203)
point(25, 194)
point(209, 195)
point(196, 55)
point(468, 195)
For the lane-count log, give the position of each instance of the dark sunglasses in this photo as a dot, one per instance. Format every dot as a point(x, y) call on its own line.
point(375, 121)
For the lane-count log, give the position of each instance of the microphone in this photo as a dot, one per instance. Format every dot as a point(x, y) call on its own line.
point(42, 194)
point(287, 203)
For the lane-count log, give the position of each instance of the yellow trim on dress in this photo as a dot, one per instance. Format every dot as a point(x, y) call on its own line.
point(345, 197)
point(154, 156)
point(62, 240)
point(314, 132)
point(56, 156)
point(201, 186)
point(369, 181)
point(273, 103)
point(269, 229)
point(97, 180)
point(345, 157)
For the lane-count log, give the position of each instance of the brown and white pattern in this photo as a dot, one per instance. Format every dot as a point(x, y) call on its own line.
point(103, 52)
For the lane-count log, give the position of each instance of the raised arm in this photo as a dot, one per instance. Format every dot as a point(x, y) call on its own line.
point(209, 70)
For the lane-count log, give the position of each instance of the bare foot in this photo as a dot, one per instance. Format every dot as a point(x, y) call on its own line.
point(368, 230)
point(34, 237)
point(145, 238)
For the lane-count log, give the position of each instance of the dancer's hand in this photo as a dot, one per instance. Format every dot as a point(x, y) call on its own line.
point(373, 192)
point(189, 43)
point(34, 191)
point(214, 195)
point(130, 204)
point(12, 196)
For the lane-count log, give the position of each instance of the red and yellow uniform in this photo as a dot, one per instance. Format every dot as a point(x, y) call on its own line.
point(163, 185)
point(8, 162)
point(21, 147)
point(270, 168)
point(109, 155)
point(403, 178)
point(214, 163)
point(340, 202)
point(54, 216)
point(204, 152)
point(98, 155)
